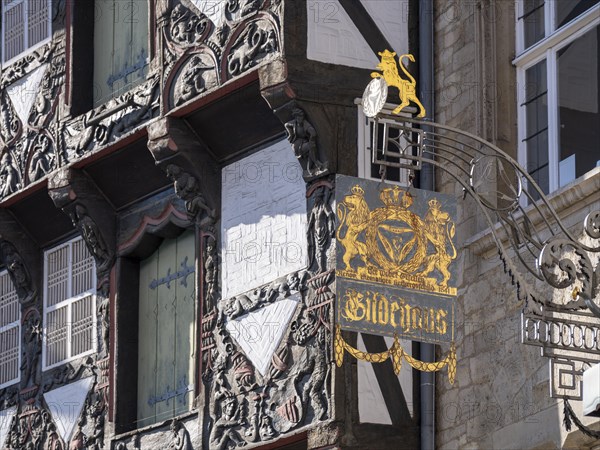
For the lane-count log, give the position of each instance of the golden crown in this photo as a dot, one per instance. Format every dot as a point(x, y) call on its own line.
point(434, 203)
point(357, 190)
point(393, 196)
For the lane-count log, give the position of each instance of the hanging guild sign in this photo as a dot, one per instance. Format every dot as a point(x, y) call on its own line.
point(395, 270)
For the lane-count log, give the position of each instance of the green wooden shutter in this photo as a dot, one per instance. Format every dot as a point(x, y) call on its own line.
point(167, 331)
point(120, 47)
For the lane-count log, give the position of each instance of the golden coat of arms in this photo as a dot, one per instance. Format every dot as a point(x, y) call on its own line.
point(394, 243)
point(395, 269)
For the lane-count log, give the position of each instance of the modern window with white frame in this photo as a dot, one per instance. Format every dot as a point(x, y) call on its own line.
point(10, 332)
point(558, 68)
point(26, 25)
point(69, 303)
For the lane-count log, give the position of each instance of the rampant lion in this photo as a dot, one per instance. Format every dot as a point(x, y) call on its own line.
point(407, 88)
point(354, 213)
point(439, 230)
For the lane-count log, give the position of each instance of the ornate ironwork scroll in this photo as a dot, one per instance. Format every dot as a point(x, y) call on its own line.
point(529, 235)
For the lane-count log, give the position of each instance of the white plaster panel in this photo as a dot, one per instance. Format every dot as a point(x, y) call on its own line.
point(65, 405)
point(371, 404)
point(333, 37)
point(22, 93)
point(392, 18)
point(259, 332)
point(6, 417)
point(263, 217)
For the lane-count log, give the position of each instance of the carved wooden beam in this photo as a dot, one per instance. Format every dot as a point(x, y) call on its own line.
point(78, 197)
point(21, 257)
point(187, 161)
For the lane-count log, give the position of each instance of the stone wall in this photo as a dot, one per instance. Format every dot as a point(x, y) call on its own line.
point(501, 395)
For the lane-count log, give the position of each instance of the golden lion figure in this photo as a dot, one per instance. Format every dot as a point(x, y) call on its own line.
point(353, 214)
point(406, 88)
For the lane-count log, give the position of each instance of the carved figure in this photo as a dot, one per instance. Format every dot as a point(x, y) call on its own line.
point(303, 137)
point(211, 274)
point(9, 124)
point(192, 82)
point(314, 365)
point(104, 312)
point(354, 214)
point(91, 234)
point(31, 350)
point(9, 175)
point(225, 428)
point(247, 47)
point(439, 229)
point(181, 437)
point(407, 88)
point(18, 272)
point(42, 160)
point(321, 229)
point(187, 188)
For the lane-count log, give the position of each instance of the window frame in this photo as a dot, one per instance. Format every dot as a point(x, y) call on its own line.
point(9, 4)
point(546, 49)
point(16, 324)
point(68, 302)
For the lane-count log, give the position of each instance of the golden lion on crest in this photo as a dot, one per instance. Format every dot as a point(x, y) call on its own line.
point(407, 88)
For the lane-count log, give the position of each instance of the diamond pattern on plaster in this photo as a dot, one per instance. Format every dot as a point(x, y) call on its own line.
point(6, 417)
point(65, 405)
point(23, 92)
point(259, 332)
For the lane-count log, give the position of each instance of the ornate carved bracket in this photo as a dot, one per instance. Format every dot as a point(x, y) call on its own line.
point(76, 196)
point(20, 256)
point(187, 162)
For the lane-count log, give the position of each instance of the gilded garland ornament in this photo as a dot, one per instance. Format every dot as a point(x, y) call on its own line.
point(397, 354)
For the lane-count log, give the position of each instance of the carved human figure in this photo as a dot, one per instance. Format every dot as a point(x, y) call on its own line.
point(9, 176)
point(180, 439)
point(42, 160)
point(31, 350)
point(91, 234)
point(18, 271)
point(104, 312)
point(192, 82)
point(321, 229)
point(211, 274)
point(225, 427)
point(314, 365)
point(303, 137)
point(187, 189)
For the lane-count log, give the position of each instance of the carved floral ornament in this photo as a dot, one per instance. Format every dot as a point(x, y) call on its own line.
point(197, 54)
